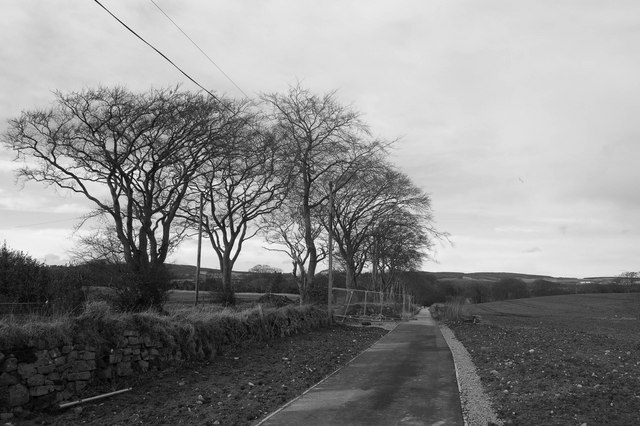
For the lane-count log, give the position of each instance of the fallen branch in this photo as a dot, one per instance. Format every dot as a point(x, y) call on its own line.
point(93, 398)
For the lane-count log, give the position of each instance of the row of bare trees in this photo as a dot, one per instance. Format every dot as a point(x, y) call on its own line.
point(146, 160)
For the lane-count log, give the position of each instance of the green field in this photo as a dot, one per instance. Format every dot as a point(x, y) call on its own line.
point(615, 313)
point(559, 360)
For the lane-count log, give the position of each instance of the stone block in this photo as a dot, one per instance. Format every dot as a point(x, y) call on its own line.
point(67, 349)
point(65, 395)
point(115, 358)
point(35, 380)
point(46, 369)
point(55, 353)
point(79, 366)
point(11, 364)
point(43, 357)
point(147, 341)
point(54, 376)
point(83, 375)
point(40, 390)
point(7, 379)
point(89, 355)
point(72, 356)
point(81, 384)
point(18, 395)
point(26, 370)
point(136, 351)
point(134, 341)
point(60, 360)
point(131, 333)
point(144, 365)
point(154, 352)
point(127, 351)
point(124, 369)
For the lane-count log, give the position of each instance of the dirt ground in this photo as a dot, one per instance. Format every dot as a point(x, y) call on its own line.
point(568, 360)
point(239, 387)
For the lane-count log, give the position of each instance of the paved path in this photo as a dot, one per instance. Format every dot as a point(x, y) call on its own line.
point(406, 378)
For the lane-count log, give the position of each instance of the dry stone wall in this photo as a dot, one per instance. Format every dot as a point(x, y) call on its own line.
point(40, 375)
point(45, 373)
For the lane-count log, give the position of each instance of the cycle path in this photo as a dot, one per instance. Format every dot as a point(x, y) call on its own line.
point(406, 378)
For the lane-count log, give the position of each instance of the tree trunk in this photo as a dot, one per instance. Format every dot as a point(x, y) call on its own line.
point(351, 276)
point(226, 267)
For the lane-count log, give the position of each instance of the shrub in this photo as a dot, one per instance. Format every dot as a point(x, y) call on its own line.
point(22, 278)
point(131, 291)
point(138, 291)
point(452, 311)
point(64, 292)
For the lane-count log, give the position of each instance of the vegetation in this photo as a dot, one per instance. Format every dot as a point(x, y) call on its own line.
point(28, 286)
point(192, 330)
point(159, 165)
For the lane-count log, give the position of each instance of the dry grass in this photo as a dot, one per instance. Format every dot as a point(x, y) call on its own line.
point(454, 310)
point(195, 332)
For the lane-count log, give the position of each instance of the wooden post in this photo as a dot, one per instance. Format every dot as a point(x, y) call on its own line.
point(330, 285)
point(365, 303)
point(199, 250)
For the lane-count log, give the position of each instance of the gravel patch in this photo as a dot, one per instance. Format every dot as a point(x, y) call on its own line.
point(476, 405)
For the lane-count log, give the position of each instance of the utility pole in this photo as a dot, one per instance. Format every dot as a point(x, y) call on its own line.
point(199, 249)
point(330, 289)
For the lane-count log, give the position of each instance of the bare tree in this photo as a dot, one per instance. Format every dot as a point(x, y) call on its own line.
point(322, 138)
point(285, 229)
point(245, 181)
point(400, 242)
point(101, 245)
point(132, 155)
point(375, 191)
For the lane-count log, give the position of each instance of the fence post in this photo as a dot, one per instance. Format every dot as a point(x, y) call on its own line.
point(365, 303)
point(330, 280)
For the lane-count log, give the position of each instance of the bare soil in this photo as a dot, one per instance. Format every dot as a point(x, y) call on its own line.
point(239, 387)
point(561, 360)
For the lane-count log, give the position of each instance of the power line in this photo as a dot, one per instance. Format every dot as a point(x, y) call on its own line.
point(162, 54)
point(46, 223)
point(198, 47)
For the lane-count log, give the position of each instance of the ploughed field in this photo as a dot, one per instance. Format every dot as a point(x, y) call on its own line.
point(559, 360)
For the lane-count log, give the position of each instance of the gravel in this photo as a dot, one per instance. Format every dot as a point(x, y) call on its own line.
point(476, 405)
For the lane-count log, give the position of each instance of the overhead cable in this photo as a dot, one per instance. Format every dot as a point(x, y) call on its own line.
point(198, 47)
point(161, 54)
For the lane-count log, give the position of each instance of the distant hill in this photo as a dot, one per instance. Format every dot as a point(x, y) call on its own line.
point(189, 271)
point(493, 276)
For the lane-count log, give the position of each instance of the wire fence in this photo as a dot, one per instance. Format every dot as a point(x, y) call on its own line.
point(371, 305)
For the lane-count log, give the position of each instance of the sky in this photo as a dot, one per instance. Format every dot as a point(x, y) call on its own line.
point(520, 119)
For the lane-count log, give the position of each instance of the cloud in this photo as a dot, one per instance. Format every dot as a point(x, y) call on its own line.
point(533, 250)
point(482, 93)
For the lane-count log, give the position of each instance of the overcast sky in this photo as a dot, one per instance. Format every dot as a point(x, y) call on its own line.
point(521, 119)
